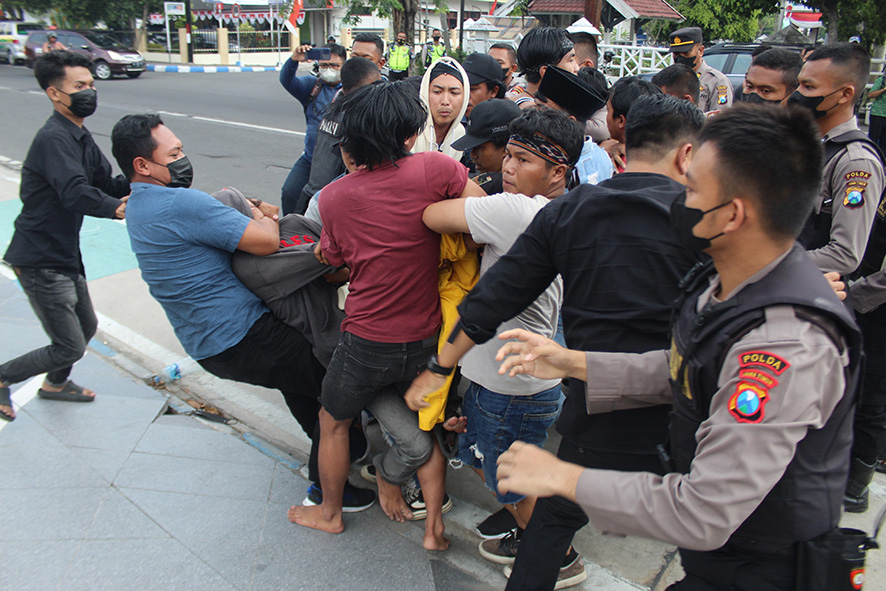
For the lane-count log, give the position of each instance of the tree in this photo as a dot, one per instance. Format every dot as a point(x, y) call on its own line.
point(401, 12)
point(737, 20)
point(845, 18)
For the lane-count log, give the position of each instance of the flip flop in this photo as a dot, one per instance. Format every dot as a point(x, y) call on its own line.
point(70, 392)
point(6, 400)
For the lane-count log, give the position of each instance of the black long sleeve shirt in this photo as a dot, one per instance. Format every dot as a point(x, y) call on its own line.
point(64, 177)
point(621, 266)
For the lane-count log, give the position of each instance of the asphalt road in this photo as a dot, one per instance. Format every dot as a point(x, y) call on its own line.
point(238, 129)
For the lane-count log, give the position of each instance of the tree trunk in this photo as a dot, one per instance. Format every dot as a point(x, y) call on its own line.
point(829, 11)
point(593, 12)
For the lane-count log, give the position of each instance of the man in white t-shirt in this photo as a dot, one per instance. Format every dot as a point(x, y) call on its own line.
point(543, 148)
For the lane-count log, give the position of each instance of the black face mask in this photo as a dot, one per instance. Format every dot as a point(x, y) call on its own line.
point(401, 41)
point(811, 102)
point(83, 102)
point(181, 173)
point(752, 98)
point(436, 38)
point(684, 219)
point(505, 72)
point(689, 62)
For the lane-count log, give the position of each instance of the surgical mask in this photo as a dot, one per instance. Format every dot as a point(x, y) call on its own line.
point(181, 173)
point(330, 76)
point(683, 219)
point(83, 102)
point(812, 102)
point(753, 98)
point(686, 61)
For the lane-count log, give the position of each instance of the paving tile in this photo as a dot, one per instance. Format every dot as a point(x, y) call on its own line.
point(448, 578)
point(201, 517)
point(288, 488)
point(110, 422)
point(116, 565)
point(49, 514)
point(366, 557)
point(107, 462)
point(33, 565)
point(34, 459)
point(233, 557)
point(200, 444)
point(119, 518)
point(110, 381)
point(200, 477)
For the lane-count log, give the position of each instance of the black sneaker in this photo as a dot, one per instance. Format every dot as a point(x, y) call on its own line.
point(881, 466)
point(354, 499)
point(415, 499)
point(497, 525)
point(571, 573)
point(503, 551)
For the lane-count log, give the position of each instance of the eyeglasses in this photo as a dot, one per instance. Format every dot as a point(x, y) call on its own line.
point(330, 65)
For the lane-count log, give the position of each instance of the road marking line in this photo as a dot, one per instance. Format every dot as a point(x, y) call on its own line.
point(249, 125)
point(171, 114)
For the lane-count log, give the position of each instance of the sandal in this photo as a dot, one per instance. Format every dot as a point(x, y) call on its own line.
point(6, 400)
point(70, 392)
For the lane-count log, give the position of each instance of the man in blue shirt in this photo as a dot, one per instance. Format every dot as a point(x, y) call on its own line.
point(314, 92)
point(183, 239)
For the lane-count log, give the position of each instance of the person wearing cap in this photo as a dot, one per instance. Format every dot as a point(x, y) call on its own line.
point(539, 49)
point(399, 57)
point(542, 148)
point(486, 138)
point(52, 43)
point(715, 91)
point(484, 74)
point(574, 95)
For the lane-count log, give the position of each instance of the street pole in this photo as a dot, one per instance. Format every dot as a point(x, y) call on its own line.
point(461, 26)
point(593, 9)
point(188, 29)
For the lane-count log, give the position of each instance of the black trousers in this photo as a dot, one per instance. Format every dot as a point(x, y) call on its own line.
point(730, 570)
point(877, 131)
point(276, 356)
point(555, 520)
point(869, 429)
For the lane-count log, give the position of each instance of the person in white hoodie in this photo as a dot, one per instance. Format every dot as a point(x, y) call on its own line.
point(444, 92)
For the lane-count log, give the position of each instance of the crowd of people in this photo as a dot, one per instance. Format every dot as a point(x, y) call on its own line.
point(472, 256)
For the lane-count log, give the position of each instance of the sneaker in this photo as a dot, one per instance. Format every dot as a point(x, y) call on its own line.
point(354, 499)
point(881, 466)
point(368, 473)
point(496, 526)
point(570, 575)
point(415, 499)
point(504, 550)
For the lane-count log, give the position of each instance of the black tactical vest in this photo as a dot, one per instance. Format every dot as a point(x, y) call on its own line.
point(806, 502)
point(817, 231)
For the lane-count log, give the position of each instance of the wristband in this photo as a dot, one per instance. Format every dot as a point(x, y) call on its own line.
point(438, 369)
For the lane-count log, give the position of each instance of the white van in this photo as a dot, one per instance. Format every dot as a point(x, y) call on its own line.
point(13, 35)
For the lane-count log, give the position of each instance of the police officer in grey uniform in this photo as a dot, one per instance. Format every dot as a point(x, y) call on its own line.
point(838, 232)
point(761, 372)
point(687, 49)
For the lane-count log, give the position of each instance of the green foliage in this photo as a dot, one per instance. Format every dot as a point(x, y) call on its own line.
point(736, 20)
point(845, 18)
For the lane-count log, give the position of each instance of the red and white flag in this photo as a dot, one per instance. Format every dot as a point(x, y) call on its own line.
point(298, 6)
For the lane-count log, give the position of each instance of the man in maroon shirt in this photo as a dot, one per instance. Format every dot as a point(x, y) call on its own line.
point(373, 225)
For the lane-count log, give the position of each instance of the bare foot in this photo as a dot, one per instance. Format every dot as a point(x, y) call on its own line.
point(391, 500)
point(434, 538)
point(50, 388)
point(8, 410)
point(313, 518)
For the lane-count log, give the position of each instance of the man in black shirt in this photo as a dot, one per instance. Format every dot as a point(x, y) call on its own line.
point(621, 266)
point(64, 177)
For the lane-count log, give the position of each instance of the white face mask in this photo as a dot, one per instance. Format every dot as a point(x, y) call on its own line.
point(330, 76)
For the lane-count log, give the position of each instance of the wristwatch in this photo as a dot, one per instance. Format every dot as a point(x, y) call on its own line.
point(438, 369)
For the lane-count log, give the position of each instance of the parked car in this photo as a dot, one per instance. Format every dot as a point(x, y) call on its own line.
point(109, 56)
point(13, 35)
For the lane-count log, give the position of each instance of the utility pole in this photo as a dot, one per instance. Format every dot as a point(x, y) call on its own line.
point(188, 29)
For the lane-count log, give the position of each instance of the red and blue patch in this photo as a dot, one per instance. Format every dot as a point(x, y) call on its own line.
point(748, 403)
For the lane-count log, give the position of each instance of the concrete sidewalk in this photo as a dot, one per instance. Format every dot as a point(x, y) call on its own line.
point(120, 494)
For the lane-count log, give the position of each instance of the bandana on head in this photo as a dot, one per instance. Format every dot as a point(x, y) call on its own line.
point(542, 147)
point(443, 68)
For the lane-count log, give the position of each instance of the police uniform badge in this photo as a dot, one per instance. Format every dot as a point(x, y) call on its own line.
point(748, 403)
point(722, 92)
point(855, 186)
point(757, 372)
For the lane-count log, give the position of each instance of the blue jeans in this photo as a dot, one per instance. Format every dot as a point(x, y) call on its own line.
point(368, 374)
point(64, 308)
point(290, 194)
point(495, 421)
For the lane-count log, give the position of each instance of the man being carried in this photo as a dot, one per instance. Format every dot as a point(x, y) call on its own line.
point(373, 225)
point(486, 137)
point(65, 176)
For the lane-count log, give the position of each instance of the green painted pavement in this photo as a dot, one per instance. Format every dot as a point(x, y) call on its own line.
point(104, 243)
